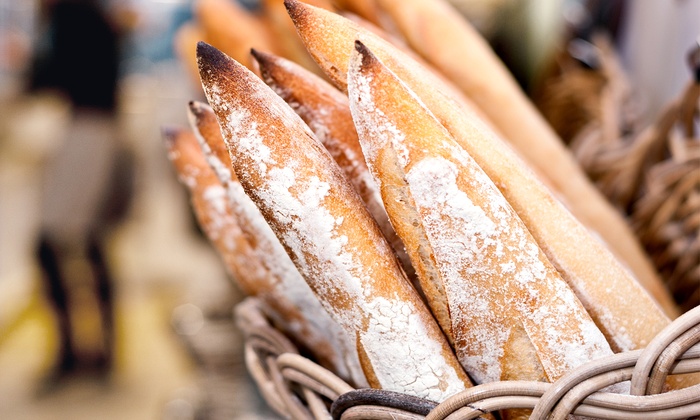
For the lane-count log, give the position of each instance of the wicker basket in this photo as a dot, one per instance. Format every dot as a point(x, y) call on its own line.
point(649, 172)
point(296, 387)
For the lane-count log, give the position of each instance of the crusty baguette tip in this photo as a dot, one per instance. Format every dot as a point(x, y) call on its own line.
point(329, 234)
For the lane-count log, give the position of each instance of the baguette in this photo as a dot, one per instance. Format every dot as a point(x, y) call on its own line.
point(503, 297)
point(623, 310)
point(285, 298)
point(451, 43)
point(185, 46)
point(327, 112)
point(366, 9)
point(234, 30)
point(283, 31)
point(329, 234)
point(213, 216)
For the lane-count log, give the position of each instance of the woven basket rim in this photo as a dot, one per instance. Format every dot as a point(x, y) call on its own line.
point(297, 387)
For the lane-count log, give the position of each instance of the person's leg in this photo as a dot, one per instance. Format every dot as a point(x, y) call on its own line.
point(49, 261)
point(103, 287)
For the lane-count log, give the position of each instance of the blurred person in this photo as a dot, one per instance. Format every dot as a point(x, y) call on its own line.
point(85, 190)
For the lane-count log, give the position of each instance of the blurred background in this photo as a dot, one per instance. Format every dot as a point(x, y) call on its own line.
point(112, 305)
point(102, 271)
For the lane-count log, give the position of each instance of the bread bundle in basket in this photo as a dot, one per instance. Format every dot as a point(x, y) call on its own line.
point(410, 233)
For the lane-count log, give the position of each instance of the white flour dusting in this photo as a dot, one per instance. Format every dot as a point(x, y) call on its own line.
point(299, 200)
point(462, 236)
point(492, 270)
point(403, 363)
point(217, 200)
point(291, 284)
point(468, 244)
point(311, 231)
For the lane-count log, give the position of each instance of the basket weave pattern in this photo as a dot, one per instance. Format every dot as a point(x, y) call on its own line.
point(296, 387)
point(650, 174)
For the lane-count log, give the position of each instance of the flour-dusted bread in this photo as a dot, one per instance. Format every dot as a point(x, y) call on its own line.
point(327, 112)
point(623, 310)
point(329, 234)
point(446, 39)
point(510, 314)
point(283, 294)
point(283, 31)
point(209, 203)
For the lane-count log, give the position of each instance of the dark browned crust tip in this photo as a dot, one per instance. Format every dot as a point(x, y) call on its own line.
point(211, 61)
point(296, 10)
point(368, 58)
point(197, 108)
point(259, 56)
point(266, 62)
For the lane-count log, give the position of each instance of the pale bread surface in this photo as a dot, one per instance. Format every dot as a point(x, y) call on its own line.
point(451, 43)
point(623, 310)
point(329, 234)
point(327, 112)
point(283, 294)
point(504, 297)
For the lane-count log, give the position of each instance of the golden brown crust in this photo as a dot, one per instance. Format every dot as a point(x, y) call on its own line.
point(451, 43)
point(232, 29)
point(218, 224)
point(203, 121)
point(338, 43)
point(629, 317)
point(393, 38)
point(327, 112)
point(328, 232)
point(284, 32)
point(366, 9)
point(278, 284)
point(501, 291)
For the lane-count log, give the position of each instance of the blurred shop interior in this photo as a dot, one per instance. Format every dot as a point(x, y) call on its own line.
point(112, 303)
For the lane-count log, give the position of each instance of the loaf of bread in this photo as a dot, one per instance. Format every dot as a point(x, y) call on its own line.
point(185, 47)
point(282, 29)
point(233, 29)
point(329, 234)
point(365, 9)
point(327, 112)
point(629, 317)
point(208, 199)
point(451, 43)
point(255, 267)
point(510, 314)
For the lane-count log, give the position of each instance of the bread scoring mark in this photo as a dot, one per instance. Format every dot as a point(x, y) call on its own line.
point(491, 268)
point(462, 237)
point(293, 286)
point(408, 365)
point(468, 245)
point(376, 127)
point(323, 107)
point(310, 235)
